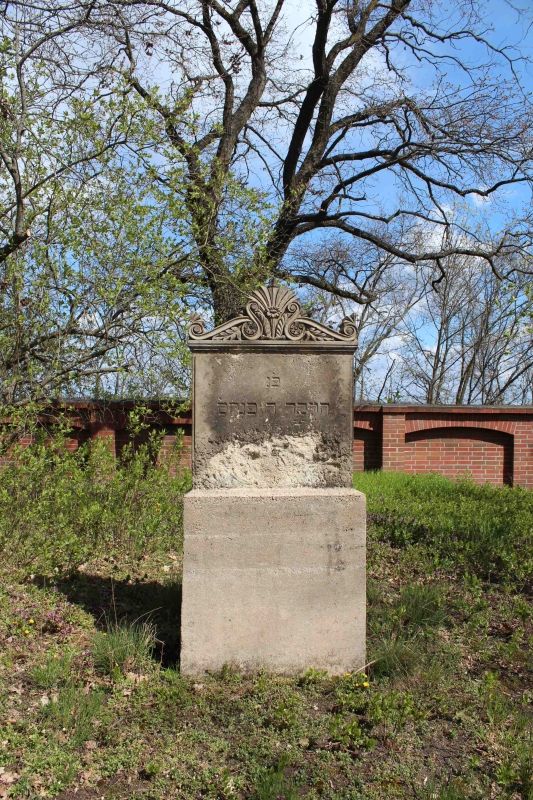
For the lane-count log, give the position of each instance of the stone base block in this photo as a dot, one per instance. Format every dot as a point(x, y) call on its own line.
point(274, 579)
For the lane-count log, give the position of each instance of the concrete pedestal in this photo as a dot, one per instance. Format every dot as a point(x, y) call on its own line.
point(274, 579)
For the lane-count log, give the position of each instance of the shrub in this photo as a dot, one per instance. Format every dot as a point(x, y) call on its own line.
point(393, 709)
point(59, 508)
point(483, 530)
point(349, 733)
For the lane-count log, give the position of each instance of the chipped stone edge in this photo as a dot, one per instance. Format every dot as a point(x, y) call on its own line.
point(277, 491)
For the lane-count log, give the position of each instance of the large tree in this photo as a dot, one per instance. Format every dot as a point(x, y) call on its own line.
point(367, 118)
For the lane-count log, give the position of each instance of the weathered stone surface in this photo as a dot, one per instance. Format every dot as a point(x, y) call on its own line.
point(274, 579)
point(272, 419)
point(274, 554)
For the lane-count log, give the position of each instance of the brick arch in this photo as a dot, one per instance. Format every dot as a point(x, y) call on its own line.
point(366, 449)
point(485, 453)
point(416, 425)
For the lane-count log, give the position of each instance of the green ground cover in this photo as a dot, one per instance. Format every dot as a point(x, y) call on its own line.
point(92, 704)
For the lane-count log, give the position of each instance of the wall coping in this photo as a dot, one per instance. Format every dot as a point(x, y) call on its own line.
point(402, 408)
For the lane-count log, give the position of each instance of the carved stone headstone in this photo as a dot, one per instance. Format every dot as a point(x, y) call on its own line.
point(274, 556)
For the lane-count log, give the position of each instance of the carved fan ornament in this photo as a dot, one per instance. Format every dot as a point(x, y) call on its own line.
point(273, 313)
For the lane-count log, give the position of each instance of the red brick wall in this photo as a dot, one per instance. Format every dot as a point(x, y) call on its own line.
point(72, 443)
point(523, 452)
point(486, 455)
point(491, 444)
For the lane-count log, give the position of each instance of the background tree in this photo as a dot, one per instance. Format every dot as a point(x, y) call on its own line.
point(93, 295)
point(470, 342)
point(381, 324)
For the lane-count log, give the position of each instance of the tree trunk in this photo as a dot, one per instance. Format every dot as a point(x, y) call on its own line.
point(228, 298)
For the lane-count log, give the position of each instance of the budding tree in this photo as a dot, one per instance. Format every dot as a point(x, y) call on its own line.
point(88, 249)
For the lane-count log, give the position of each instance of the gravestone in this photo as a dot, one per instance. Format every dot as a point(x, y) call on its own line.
point(274, 533)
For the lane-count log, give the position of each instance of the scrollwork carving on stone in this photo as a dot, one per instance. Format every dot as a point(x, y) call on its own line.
point(273, 313)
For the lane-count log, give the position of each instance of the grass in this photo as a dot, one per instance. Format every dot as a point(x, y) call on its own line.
point(92, 704)
point(484, 530)
point(54, 671)
point(272, 783)
point(74, 711)
point(123, 648)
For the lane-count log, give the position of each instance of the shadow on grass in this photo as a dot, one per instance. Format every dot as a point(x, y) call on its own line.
point(110, 600)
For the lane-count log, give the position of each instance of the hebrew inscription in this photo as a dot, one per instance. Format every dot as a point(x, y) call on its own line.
point(237, 409)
